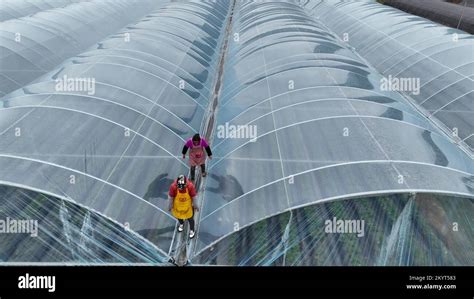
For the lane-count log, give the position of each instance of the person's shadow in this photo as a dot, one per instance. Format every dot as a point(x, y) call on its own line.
point(159, 187)
point(228, 187)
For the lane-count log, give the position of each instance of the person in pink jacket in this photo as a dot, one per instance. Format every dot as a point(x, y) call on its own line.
point(197, 157)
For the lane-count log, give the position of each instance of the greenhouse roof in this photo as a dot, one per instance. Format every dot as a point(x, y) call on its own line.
point(325, 127)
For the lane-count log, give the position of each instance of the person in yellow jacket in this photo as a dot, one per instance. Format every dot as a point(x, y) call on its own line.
point(182, 202)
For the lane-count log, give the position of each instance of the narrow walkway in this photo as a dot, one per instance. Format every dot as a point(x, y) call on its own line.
point(182, 246)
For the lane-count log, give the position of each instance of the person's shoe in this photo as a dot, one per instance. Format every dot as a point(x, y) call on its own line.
point(204, 174)
point(180, 227)
point(191, 234)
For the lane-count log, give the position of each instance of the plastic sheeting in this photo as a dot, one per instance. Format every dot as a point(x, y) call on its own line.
point(65, 233)
point(35, 44)
point(393, 230)
point(326, 129)
point(401, 45)
point(114, 149)
point(14, 9)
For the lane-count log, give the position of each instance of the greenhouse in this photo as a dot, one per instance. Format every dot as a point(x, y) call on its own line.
point(290, 96)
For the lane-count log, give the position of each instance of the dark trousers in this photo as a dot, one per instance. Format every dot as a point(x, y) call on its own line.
point(193, 170)
point(191, 222)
